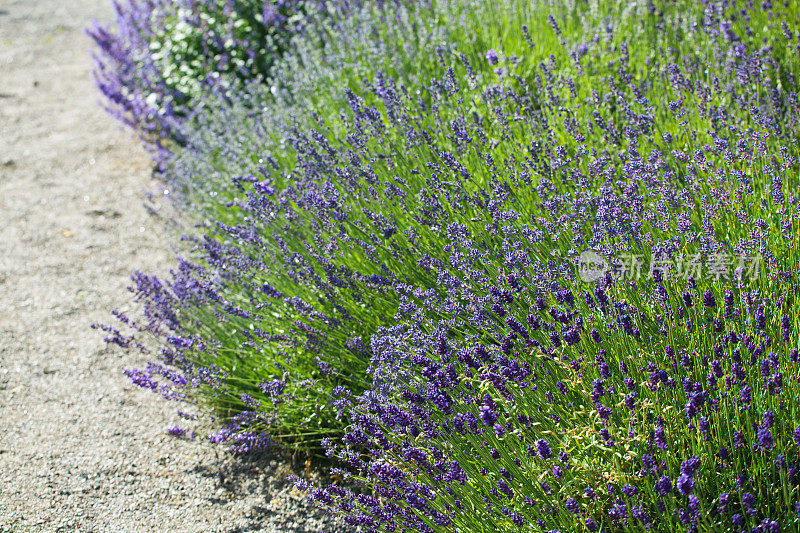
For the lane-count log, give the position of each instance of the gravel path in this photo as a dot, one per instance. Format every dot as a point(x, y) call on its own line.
point(80, 449)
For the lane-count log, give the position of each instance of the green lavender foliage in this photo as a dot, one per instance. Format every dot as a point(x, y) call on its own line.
point(258, 136)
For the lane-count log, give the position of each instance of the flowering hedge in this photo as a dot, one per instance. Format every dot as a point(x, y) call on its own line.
point(395, 277)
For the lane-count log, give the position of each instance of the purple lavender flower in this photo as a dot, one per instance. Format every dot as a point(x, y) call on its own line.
point(694, 506)
point(176, 431)
point(664, 485)
point(765, 439)
point(724, 499)
point(708, 299)
point(543, 449)
point(487, 411)
point(597, 390)
point(685, 484)
point(749, 503)
point(687, 299)
point(723, 453)
point(746, 395)
point(704, 424)
point(572, 506)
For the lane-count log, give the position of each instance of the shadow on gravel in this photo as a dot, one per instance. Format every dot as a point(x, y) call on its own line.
point(262, 476)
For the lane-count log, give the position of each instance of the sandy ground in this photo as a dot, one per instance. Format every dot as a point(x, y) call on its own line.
point(80, 448)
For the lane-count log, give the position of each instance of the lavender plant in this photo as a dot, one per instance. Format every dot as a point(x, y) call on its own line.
point(160, 56)
point(411, 44)
point(653, 414)
point(400, 277)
